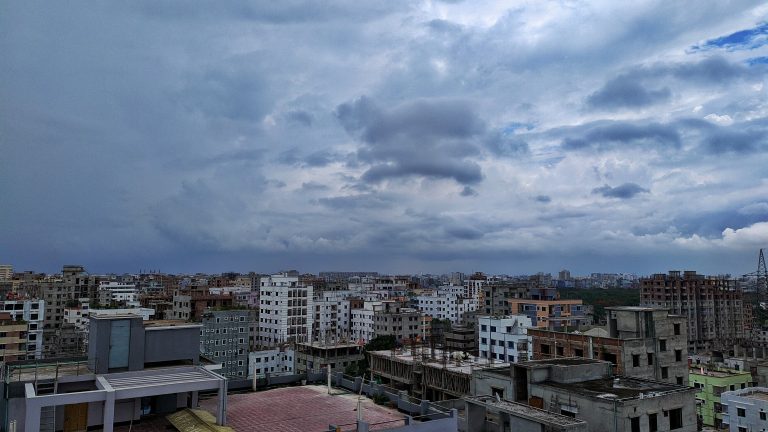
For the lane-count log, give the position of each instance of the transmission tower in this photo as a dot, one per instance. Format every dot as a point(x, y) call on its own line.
point(762, 278)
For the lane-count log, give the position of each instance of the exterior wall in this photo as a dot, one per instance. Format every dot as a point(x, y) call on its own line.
point(710, 386)
point(551, 314)
point(316, 357)
point(33, 312)
point(445, 306)
point(751, 403)
point(172, 344)
point(224, 339)
point(285, 310)
point(362, 330)
point(504, 338)
point(274, 362)
point(713, 307)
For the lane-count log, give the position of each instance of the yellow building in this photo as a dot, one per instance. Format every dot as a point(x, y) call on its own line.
point(551, 314)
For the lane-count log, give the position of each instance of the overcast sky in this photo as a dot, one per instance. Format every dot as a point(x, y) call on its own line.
point(393, 136)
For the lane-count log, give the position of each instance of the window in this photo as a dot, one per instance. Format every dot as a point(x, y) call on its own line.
point(545, 349)
point(635, 360)
point(675, 418)
point(560, 351)
point(578, 352)
point(762, 415)
point(635, 423)
point(650, 359)
point(483, 327)
point(678, 355)
point(677, 329)
point(653, 425)
point(679, 380)
point(662, 344)
point(742, 429)
point(664, 373)
point(741, 412)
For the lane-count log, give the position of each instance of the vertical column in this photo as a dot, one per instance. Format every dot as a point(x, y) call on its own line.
point(31, 408)
point(109, 411)
point(221, 412)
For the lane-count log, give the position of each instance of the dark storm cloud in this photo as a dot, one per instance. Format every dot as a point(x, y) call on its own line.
point(468, 192)
point(738, 138)
point(606, 135)
point(427, 138)
point(623, 191)
point(464, 232)
point(626, 92)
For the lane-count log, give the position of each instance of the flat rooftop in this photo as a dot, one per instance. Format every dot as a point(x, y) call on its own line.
point(526, 411)
point(719, 373)
point(619, 388)
point(302, 409)
point(465, 366)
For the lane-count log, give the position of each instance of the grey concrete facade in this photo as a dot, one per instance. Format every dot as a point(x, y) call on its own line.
point(586, 390)
point(746, 409)
point(224, 338)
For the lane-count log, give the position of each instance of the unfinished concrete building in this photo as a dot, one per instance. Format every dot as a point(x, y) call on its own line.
point(713, 307)
point(586, 389)
point(640, 342)
point(427, 374)
point(316, 356)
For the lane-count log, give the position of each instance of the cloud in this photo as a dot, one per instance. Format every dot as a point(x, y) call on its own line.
point(299, 117)
point(542, 199)
point(606, 135)
point(623, 191)
point(758, 208)
point(626, 92)
point(720, 119)
point(464, 232)
point(423, 138)
point(468, 191)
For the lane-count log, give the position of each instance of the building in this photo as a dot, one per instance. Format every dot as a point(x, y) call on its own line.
point(496, 296)
point(586, 389)
point(381, 318)
point(745, 409)
point(224, 338)
point(285, 310)
point(710, 384)
point(6, 272)
point(13, 339)
point(640, 342)
point(460, 339)
point(118, 294)
point(332, 316)
point(315, 356)
point(134, 369)
point(74, 283)
point(29, 312)
point(487, 413)
point(426, 373)
point(189, 304)
point(450, 307)
point(713, 307)
point(551, 314)
point(504, 338)
point(276, 361)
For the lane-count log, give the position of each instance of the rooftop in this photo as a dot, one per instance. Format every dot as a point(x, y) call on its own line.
point(717, 373)
point(452, 361)
point(299, 409)
point(620, 388)
point(757, 393)
point(526, 411)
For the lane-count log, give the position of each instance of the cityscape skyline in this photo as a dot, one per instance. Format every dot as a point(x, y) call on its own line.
point(400, 137)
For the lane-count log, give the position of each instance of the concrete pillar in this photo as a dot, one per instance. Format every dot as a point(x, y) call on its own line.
point(195, 400)
point(32, 416)
point(221, 411)
point(358, 384)
point(408, 420)
point(363, 426)
point(109, 412)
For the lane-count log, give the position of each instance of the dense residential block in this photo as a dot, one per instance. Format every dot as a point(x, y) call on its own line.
point(710, 384)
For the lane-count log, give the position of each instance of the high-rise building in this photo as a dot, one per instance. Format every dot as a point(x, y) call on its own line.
point(713, 307)
point(285, 310)
point(6, 272)
point(504, 338)
point(224, 339)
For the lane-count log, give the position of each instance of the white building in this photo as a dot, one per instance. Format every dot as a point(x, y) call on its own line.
point(116, 292)
point(332, 316)
point(362, 323)
point(278, 361)
point(745, 409)
point(504, 338)
point(6, 272)
point(285, 310)
point(451, 306)
point(31, 311)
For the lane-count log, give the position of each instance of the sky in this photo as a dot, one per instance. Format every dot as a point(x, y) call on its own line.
point(397, 136)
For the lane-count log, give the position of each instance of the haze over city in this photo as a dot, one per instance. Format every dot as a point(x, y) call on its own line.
point(398, 137)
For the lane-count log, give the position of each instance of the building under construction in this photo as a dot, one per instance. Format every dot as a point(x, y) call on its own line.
point(434, 375)
point(717, 316)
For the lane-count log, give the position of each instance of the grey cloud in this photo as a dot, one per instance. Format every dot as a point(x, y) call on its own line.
point(464, 232)
point(758, 208)
point(626, 92)
point(623, 191)
point(604, 135)
point(313, 186)
point(428, 138)
point(468, 191)
point(506, 145)
point(735, 140)
point(361, 201)
point(542, 199)
point(299, 117)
